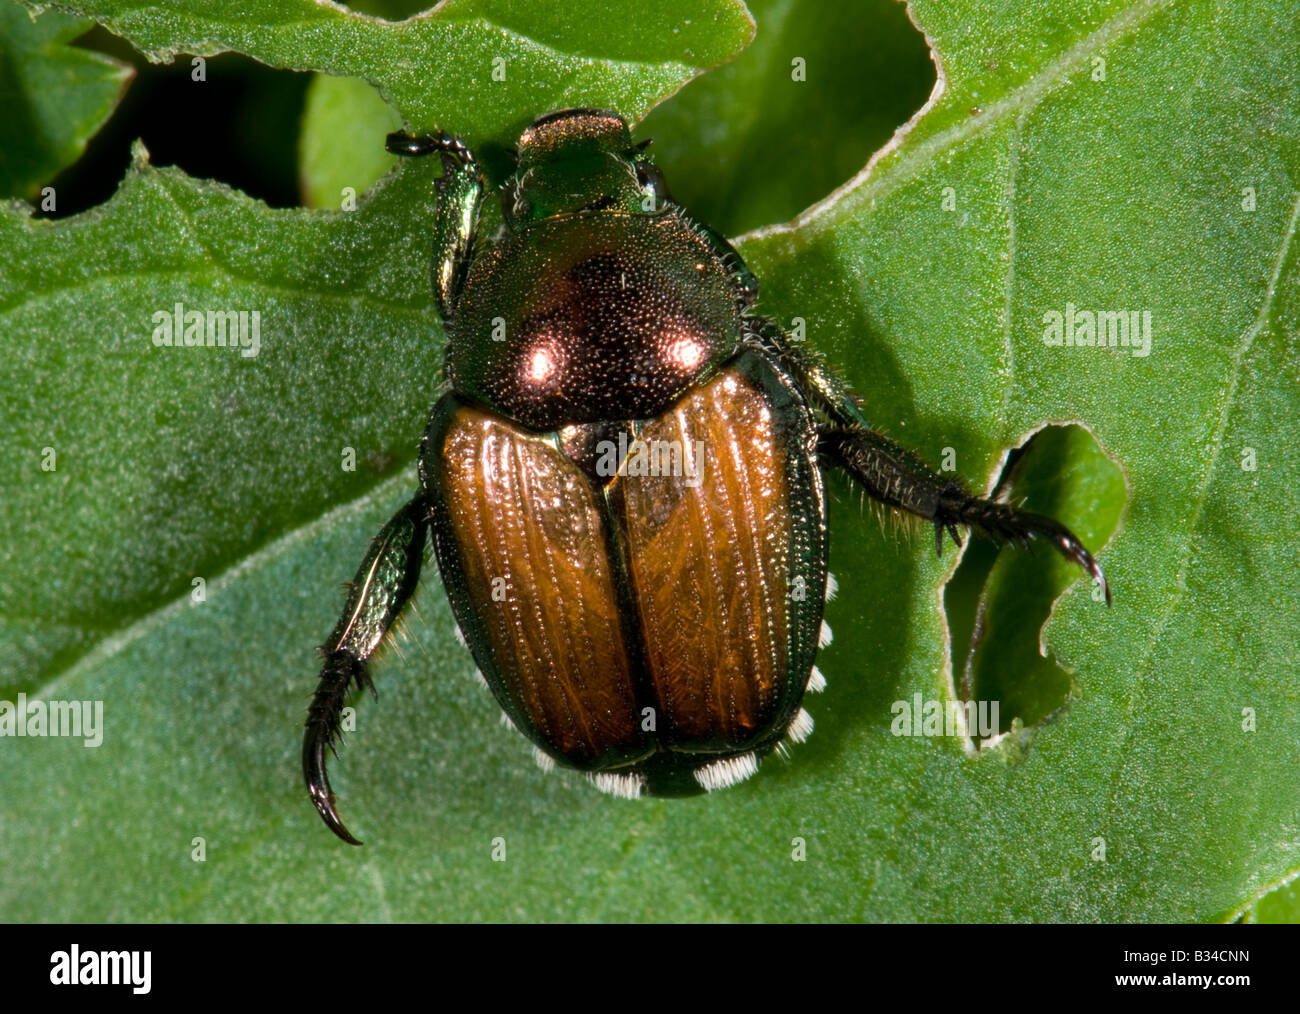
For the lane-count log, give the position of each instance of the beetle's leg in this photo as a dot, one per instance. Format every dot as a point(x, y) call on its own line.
point(455, 227)
point(894, 475)
point(823, 389)
point(383, 585)
point(897, 478)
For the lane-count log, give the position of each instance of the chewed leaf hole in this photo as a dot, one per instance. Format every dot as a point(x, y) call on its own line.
point(773, 98)
point(999, 598)
point(226, 117)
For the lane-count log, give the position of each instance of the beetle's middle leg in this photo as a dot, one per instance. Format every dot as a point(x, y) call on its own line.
point(385, 582)
point(895, 476)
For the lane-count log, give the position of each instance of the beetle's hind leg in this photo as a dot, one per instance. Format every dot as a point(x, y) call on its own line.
point(384, 584)
point(894, 475)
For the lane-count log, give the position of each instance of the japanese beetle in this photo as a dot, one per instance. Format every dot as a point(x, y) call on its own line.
point(622, 481)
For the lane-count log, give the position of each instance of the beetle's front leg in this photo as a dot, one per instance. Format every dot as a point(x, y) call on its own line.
point(385, 582)
point(894, 475)
point(460, 197)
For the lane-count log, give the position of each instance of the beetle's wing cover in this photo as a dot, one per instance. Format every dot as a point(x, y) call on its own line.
point(523, 548)
point(727, 558)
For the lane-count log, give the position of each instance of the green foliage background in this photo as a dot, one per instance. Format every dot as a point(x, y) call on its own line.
point(1111, 155)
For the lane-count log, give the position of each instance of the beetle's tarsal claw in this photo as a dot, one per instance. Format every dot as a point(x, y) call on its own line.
point(941, 526)
point(1004, 523)
point(318, 785)
point(341, 670)
point(1024, 527)
point(1072, 549)
point(399, 142)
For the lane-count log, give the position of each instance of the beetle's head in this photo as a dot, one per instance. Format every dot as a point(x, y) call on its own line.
point(581, 160)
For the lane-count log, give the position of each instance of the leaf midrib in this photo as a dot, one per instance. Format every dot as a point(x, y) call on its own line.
point(123, 636)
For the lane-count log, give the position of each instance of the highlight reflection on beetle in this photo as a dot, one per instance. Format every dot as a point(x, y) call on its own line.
point(650, 620)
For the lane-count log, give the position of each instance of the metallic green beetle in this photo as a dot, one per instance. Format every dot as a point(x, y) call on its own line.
point(622, 481)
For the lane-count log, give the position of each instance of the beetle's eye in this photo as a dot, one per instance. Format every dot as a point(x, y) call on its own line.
point(652, 180)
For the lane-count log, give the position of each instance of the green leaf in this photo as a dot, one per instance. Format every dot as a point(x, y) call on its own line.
point(1107, 185)
point(343, 128)
point(799, 112)
point(168, 463)
point(479, 68)
point(1120, 191)
point(55, 96)
point(739, 146)
point(1281, 904)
